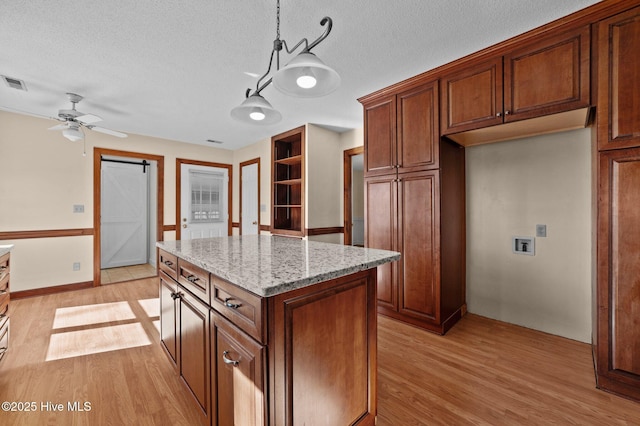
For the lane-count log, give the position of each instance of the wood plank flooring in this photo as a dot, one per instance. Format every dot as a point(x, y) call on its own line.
point(486, 372)
point(101, 346)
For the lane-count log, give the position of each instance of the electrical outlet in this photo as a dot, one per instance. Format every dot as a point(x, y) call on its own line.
point(76, 266)
point(541, 230)
point(78, 208)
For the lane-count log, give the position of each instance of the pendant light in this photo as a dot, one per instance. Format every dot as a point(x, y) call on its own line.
point(305, 76)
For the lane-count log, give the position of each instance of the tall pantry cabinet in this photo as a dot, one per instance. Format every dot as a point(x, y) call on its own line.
point(617, 331)
point(415, 204)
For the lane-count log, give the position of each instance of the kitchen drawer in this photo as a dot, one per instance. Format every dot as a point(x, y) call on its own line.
point(243, 308)
point(4, 282)
point(4, 308)
point(194, 279)
point(168, 263)
point(4, 338)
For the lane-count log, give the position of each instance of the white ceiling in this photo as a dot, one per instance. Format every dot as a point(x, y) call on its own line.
point(175, 69)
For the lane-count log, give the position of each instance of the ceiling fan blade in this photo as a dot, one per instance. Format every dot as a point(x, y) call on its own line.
point(88, 118)
point(59, 126)
point(108, 131)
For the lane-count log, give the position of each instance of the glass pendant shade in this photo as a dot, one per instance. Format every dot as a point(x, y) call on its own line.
point(73, 133)
point(256, 110)
point(306, 76)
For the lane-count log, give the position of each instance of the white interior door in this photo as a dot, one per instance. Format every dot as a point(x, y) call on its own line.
point(124, 215)
point(250, 208)
point(203, 203)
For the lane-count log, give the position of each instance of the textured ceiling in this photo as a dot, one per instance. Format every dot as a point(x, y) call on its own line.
point(176, 69)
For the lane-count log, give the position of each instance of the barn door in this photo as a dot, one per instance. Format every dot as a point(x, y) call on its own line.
point(124, 215)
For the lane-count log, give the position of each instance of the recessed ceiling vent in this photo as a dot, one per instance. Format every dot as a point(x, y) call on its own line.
point(214, 141)
point(14, 83)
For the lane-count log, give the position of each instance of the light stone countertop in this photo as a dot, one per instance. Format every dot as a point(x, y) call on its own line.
point(270, 265)
point(4, 249)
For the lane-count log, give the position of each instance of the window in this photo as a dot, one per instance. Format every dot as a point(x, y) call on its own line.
point(206, 193)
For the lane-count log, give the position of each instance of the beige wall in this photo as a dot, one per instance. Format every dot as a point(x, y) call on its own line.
point(43, 175)
point(511, 187)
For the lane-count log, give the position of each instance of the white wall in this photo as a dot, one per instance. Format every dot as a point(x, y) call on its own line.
point(511, 187)
point(43, 175)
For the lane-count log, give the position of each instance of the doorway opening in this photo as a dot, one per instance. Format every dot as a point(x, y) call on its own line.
point(127, 215)
point(354, 196)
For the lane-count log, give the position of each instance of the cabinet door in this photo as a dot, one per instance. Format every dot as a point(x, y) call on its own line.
point(168, 316)
point(549, 76)
point(380, 156)
point(618, 290)
point(472, 98)
point(418, 130)
point(194, 360)
point(419, 239)
point(237, 376)
point(380, 232)
point(619, 81)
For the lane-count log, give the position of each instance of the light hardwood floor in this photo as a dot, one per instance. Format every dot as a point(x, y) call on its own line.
point(101, 346)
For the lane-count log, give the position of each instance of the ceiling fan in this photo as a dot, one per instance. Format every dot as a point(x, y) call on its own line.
point(74, 120)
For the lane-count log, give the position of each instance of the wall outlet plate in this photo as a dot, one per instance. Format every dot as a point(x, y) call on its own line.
point(541, 230)
point(523, 245)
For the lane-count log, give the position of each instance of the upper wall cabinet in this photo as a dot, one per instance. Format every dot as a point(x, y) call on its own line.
point(401, 131)
point(546, 77)
point(619, 81)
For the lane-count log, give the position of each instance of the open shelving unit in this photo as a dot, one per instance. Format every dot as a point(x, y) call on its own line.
point(287, 183)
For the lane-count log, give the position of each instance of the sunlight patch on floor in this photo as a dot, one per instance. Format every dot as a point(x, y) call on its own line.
point(96, 340)
point(77, 316)
point(150, 306)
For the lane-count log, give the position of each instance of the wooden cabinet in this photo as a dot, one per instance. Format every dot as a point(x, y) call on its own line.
point(617, 297)
point(401, 131)
point(168, 316)
point(287, 183)
point(238, 367)
point(5, 295)
point(618, 288)
point(421, 215)
point(618, 115)
point(194, 349)
point(548, 76)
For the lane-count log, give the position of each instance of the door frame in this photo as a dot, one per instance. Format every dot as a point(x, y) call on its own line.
point(97, 196)
point(179, 163)
point(348, 229)
point(248, 163)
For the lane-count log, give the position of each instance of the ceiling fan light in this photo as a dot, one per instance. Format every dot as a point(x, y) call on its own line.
point(256, 110)
point(73, 133)
point(306, 65)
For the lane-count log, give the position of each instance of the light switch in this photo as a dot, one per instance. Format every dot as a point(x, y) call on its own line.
point(541, 230)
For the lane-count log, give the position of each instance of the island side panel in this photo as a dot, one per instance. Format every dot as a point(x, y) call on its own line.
point(323, 353)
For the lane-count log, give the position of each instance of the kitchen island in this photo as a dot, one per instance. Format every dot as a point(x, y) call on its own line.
point(272, 330)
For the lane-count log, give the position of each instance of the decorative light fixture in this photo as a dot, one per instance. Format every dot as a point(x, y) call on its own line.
point(305, 76)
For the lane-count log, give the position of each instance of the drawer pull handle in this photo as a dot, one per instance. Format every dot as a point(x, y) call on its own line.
point(231, 305)
point(228, 360)
point(192, 279)
point(168, 263)
point(175, 296)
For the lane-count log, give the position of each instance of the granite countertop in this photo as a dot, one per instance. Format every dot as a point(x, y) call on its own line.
point(270, 265)
point(4, 249)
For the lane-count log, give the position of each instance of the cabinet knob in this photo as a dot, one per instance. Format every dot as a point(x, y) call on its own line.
point(192, 279)
point(228, 360)
point(175, 296)
point(499, 114)
point(255, 222)
point(231, 305)
point(168, 263)
point(507, 112)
